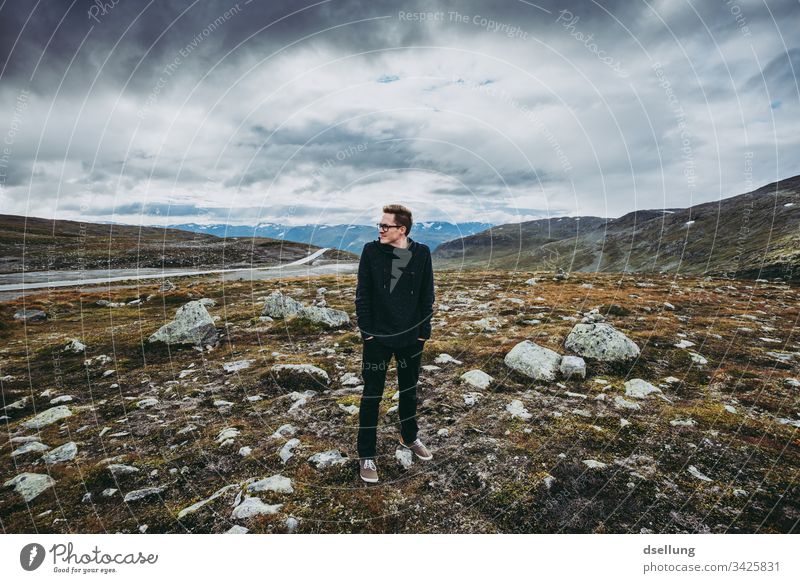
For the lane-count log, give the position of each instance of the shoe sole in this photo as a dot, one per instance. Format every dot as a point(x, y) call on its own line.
point(369, 480)
point(416, 454)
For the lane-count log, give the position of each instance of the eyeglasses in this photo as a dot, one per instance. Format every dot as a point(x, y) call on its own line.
point(385, 227)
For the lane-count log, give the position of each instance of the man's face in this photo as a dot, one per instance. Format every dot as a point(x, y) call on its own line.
point(390, 235)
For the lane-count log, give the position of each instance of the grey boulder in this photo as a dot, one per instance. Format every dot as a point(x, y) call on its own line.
point(601, 341)
point(192, 325)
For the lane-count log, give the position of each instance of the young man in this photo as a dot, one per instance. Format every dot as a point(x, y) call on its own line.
point(394, 306)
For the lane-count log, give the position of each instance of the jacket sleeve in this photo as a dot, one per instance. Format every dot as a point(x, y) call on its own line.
point(427, 298)
point(364, 295)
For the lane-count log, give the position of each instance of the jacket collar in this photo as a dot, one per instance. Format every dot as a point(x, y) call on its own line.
point(389, 249)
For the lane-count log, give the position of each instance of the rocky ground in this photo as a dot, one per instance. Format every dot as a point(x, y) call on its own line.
point(685, 421)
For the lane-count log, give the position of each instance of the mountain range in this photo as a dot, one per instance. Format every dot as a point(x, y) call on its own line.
point(343, 237)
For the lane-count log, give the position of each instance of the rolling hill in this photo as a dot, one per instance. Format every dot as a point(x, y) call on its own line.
point(37, 244)
point(752, 235)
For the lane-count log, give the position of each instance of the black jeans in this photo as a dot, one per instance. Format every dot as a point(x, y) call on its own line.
point(374, 363)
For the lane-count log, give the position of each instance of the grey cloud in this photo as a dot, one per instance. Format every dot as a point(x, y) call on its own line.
point(634, 163)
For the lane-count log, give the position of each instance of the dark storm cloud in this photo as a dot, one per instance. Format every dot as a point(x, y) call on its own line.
point(155, 32)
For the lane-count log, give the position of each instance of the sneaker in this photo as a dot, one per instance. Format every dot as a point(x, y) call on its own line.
point(419, 449)
point(369, 472)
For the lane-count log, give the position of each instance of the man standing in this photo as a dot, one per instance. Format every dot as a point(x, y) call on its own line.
point(394, 306)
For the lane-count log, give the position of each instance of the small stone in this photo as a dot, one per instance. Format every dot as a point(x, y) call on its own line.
point(143, 493)
point(404, 457)
point(277, 483)
point(471, 398)
point(477, 378)
point(625, 404)
point(326, 459)
point(697, 358)
point(74, 346)
point(61, 399)
point(286, 451)
point(639, 388)
point(30, 447)
point(445, 358)
point(284, 430)
point(118, 470)
point(698, 474)
point(237, 365)
point(252, 506)
point(594, 464)
point(518, 410)
point(226, 436)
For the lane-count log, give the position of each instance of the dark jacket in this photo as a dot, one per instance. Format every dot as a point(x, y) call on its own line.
point(394, 295)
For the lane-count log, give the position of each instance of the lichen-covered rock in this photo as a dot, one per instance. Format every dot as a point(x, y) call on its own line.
point(62, 453)
point(404, 457)
point(237, 365)
point(518, 410)
point(198, 505)
point(29, 485)
point(286, 453)
point(326, 459)
point(477, 378)
point(299, 375)
point(47, 417)
point(278, 305)
point(143, 493)
point(639, 389)
point(601, 342)
point(74, 346)
point(30, 315)
point(276, 483)
point(328, 317)
point(253, 507)
point(30, 447)
point(573, 366)
point(534, 361)
point(119, 470)
point(192, 325)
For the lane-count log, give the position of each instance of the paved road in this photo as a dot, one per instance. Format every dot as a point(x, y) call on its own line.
point(13, 285)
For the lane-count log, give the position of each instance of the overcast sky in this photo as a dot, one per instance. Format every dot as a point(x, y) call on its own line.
point(319, 113)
